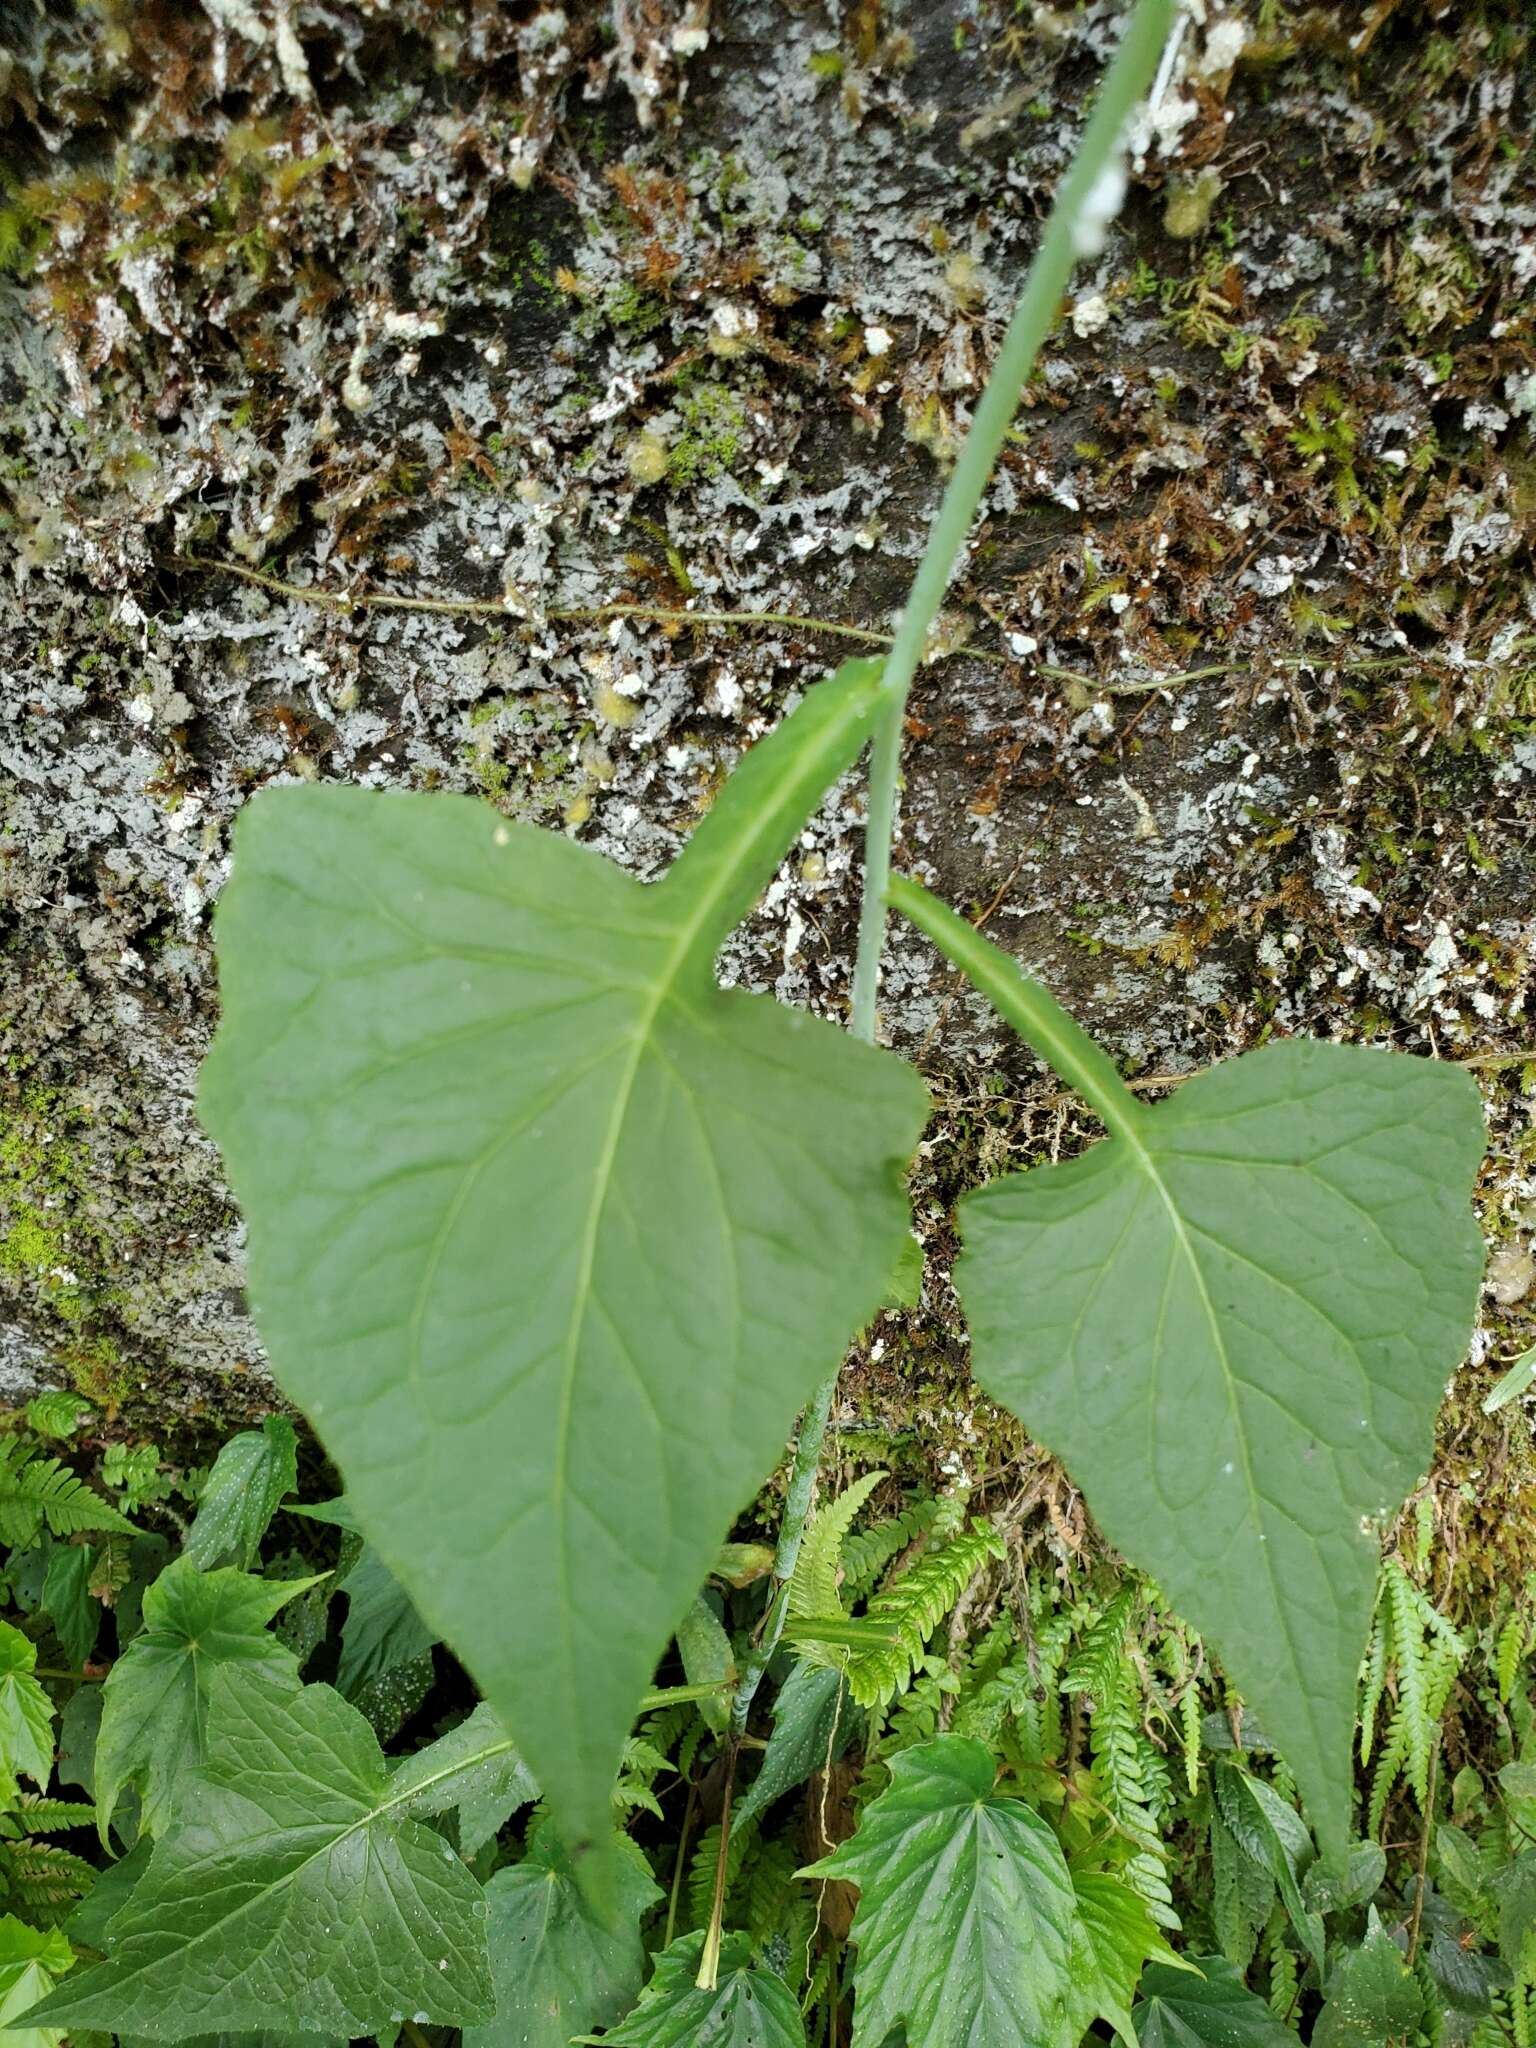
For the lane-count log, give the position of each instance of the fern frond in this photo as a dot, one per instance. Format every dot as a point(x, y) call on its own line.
point(57, 1414)
point(1036, 1704)
point(701, 1867)
point(40, 1815)
point(1509, 1654)
point(818, 1985)
point(912, 1609)
point(1125, 1783)
point(1413, 1713)
point(1389, 1767)
point(36, 1492)
point(867, 1552)
point(767, 1888)
point(1283, 1978)
point(813, 1590)
point(44, 1878)
point(1094, 1667)
point(1190, 1723)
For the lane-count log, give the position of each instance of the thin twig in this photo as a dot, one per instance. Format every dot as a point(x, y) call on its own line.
point(679, 1865)
point(519, 611)
point(709, 1956)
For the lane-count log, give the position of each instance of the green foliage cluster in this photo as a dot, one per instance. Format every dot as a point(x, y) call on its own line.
point(1018, 1802)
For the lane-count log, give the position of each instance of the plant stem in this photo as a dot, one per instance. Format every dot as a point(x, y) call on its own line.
point(680, 1865)
point(1087, 196)
point(1028, 1006)
point(709, 1955)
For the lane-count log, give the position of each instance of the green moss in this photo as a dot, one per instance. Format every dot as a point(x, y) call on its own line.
point(51, 1244)
point(713, 436)
point(43, 1169)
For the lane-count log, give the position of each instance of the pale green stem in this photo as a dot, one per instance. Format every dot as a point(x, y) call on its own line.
point(1080, 207)
point(1077, 207)
point(1028, 1006)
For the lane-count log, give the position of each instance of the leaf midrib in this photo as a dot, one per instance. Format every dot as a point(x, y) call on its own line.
point(1146, 1161)
point(766, 824)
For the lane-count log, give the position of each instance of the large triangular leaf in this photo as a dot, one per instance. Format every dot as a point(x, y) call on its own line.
point(558, 1967)
point(549, 1235)
point(292, 1892)
point(966, 1915)
point(750, 2007)
point(155, 1709)
point(250, 1476)
point(1234, 1320)
point(1209, 2007)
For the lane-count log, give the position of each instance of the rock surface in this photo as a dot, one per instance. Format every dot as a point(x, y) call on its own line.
point(355, 357)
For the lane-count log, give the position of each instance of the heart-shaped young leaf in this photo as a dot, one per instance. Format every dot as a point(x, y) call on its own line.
point(250, 1476)
point(558, 1967)
point(1114, 1937)
point(750, 2007)
point(155, 1707)
point(1274, 1836)
point(1374, 1999)
point(292, 1892)
point(31, 1963)
point(26, 1713)
point(1208, 2006)
point(1234, 1321)
point(967, 1917)
point(549, 1235)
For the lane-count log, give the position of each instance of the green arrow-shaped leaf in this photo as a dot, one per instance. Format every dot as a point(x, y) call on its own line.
point(293, 1891)
point(1234, 1321)
point(250, 1476)
point(750, 2007)
point(549, 1235)
point(155, 1707)
point(966, 1917)
point(559, 1967)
